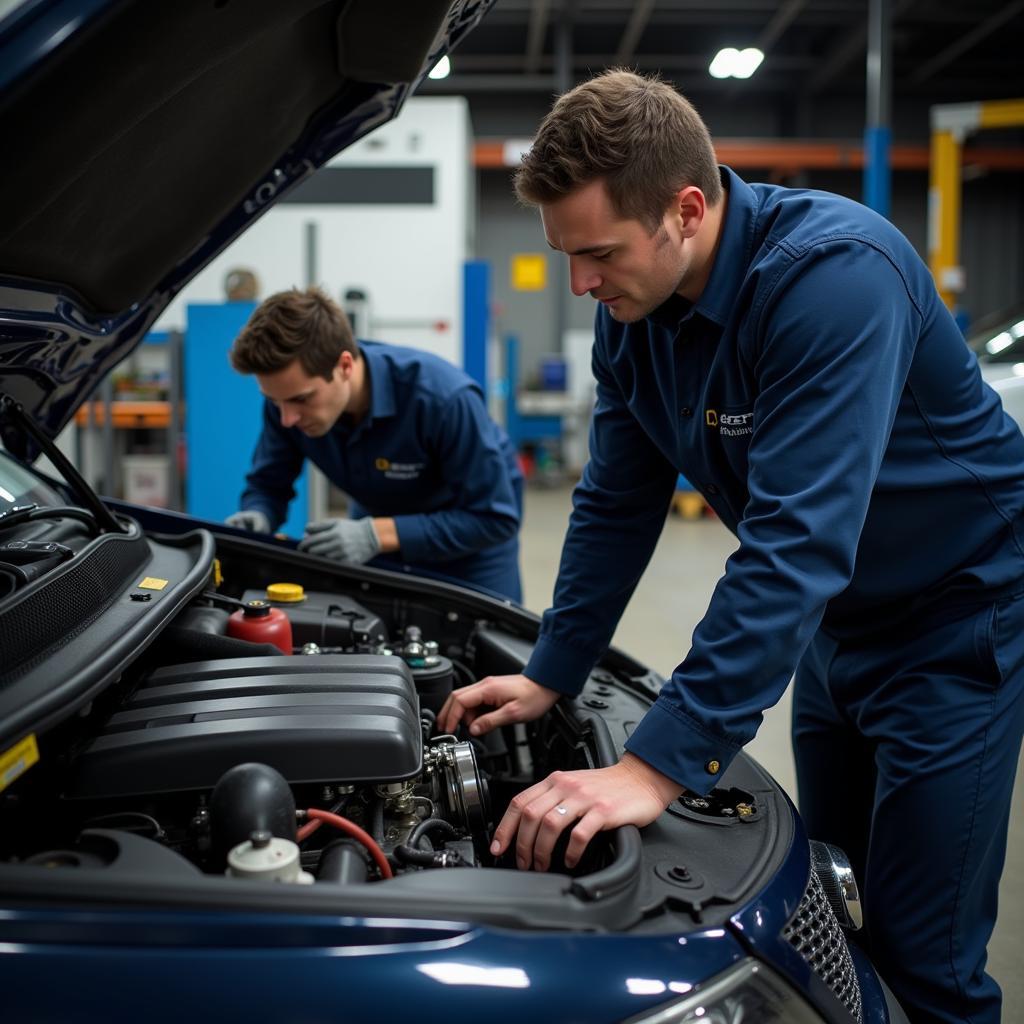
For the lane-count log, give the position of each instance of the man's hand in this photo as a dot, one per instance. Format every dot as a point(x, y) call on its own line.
point(249, 519)
point(628, 793)
point(348, 540)
point(514, 699)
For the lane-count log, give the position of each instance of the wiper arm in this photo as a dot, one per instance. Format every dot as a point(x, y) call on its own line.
point(13, 411)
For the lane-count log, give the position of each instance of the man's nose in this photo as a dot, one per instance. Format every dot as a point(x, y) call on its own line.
point(583, 276)
point(289, 417)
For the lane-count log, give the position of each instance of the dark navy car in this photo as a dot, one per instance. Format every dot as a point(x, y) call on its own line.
point(194, 825)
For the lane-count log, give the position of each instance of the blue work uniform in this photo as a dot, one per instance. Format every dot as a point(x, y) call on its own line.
point(426, 454)
point(821, 398)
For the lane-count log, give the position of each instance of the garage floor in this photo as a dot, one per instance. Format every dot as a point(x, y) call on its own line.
point(656, 628)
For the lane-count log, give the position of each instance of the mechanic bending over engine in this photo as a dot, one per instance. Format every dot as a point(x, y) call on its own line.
point(432, 480)
point(787, 351)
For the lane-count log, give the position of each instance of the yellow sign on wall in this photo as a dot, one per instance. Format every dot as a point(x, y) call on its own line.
point(529, 272)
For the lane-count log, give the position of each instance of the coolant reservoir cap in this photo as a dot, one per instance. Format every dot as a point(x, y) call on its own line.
point(286, 593)
point(268, 858)
point(256, 609)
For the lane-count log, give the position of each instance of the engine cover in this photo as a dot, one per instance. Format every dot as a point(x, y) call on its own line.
point(330, 718)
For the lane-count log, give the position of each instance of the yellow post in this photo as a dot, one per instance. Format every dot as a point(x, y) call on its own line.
point(951, 123)
point(944, 216)
point(1001, 114)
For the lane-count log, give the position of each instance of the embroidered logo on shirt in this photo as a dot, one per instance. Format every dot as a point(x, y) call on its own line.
point(399, 470)
point(730, 424)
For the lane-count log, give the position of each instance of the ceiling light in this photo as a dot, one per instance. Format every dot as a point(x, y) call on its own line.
point(441, 69)
point(999, 342)
point(733, 63)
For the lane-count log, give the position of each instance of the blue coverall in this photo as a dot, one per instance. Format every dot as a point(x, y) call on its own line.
point(821, 398)
point(426, 454)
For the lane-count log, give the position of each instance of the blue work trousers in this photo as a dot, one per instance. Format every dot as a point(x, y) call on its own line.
point(906, 748)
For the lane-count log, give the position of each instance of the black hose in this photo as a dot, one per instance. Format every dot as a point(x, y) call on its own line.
point(468, 677)
point(429, 719)
point(68, 512)
point(377, 820)
point(429, 825)
point(410, 855)
point(430, 858)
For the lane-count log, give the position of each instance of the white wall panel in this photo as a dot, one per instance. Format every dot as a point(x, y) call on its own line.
point(407, 257)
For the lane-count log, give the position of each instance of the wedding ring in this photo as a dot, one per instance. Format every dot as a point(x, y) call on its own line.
point(562, 810)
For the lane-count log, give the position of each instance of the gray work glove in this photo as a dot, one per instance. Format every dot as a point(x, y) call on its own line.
point(348, 540)
point(251, 519)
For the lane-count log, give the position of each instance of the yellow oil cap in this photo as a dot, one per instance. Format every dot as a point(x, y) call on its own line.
point(285, 593)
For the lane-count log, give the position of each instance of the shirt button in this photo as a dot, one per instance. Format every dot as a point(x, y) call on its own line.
point(711, 489)
point(712, 767)
point(686, 411)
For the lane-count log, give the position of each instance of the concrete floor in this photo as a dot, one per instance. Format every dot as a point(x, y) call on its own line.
point(656, 629)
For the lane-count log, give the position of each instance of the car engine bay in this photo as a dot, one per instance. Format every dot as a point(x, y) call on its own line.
point(179, 753)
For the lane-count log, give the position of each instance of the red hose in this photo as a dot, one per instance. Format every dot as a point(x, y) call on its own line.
point(352, 829)
point(307, 830)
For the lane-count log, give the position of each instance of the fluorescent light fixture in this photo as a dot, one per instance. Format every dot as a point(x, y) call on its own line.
point(442, 69)
point(733, 63)
point(999, 342)
point(1017, 330)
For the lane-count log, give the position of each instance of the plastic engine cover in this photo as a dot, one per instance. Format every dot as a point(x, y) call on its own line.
point(329, 718)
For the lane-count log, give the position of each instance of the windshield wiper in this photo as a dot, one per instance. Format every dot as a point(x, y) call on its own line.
point(14, 412)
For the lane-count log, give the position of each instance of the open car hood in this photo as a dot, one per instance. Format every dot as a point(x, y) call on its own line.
point(144, 138)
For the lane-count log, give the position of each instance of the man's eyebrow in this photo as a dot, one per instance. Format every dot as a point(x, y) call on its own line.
point(586, 250)
point(291, 398)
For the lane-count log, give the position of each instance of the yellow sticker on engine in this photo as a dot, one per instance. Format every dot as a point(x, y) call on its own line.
point(152, 583)
point(18, 760)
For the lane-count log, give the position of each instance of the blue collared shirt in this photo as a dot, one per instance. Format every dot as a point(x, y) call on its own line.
point(821, 398)
point(426, 454)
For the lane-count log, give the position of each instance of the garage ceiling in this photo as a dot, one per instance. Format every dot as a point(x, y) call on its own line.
point(942, 50)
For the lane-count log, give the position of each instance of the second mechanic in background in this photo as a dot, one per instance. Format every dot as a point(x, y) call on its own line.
point(432, 480)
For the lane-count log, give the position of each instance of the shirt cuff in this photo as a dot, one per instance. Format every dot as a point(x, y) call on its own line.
point(412, 538)
point(676, 745)
point(559, 667)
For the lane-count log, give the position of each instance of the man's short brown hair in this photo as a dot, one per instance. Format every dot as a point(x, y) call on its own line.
point(305, 325)
point(637, 133)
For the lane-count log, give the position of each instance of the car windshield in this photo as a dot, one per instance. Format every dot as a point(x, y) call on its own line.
point(19, 486)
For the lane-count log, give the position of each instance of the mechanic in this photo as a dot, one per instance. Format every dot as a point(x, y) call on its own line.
point(433, 481)
point(785, 350)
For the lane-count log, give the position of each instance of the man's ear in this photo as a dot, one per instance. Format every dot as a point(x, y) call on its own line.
point(689, 206)
point(346, 364)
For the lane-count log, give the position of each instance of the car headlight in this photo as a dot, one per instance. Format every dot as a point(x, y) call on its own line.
point(747, 992)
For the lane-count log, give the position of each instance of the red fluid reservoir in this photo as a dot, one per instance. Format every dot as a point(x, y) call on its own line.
point(261, 624)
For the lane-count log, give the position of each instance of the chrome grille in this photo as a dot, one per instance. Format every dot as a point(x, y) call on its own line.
point(815, 934)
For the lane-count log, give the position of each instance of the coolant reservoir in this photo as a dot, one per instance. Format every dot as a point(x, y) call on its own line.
point(267, 858)
point(285, 593)
point(261, 624)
